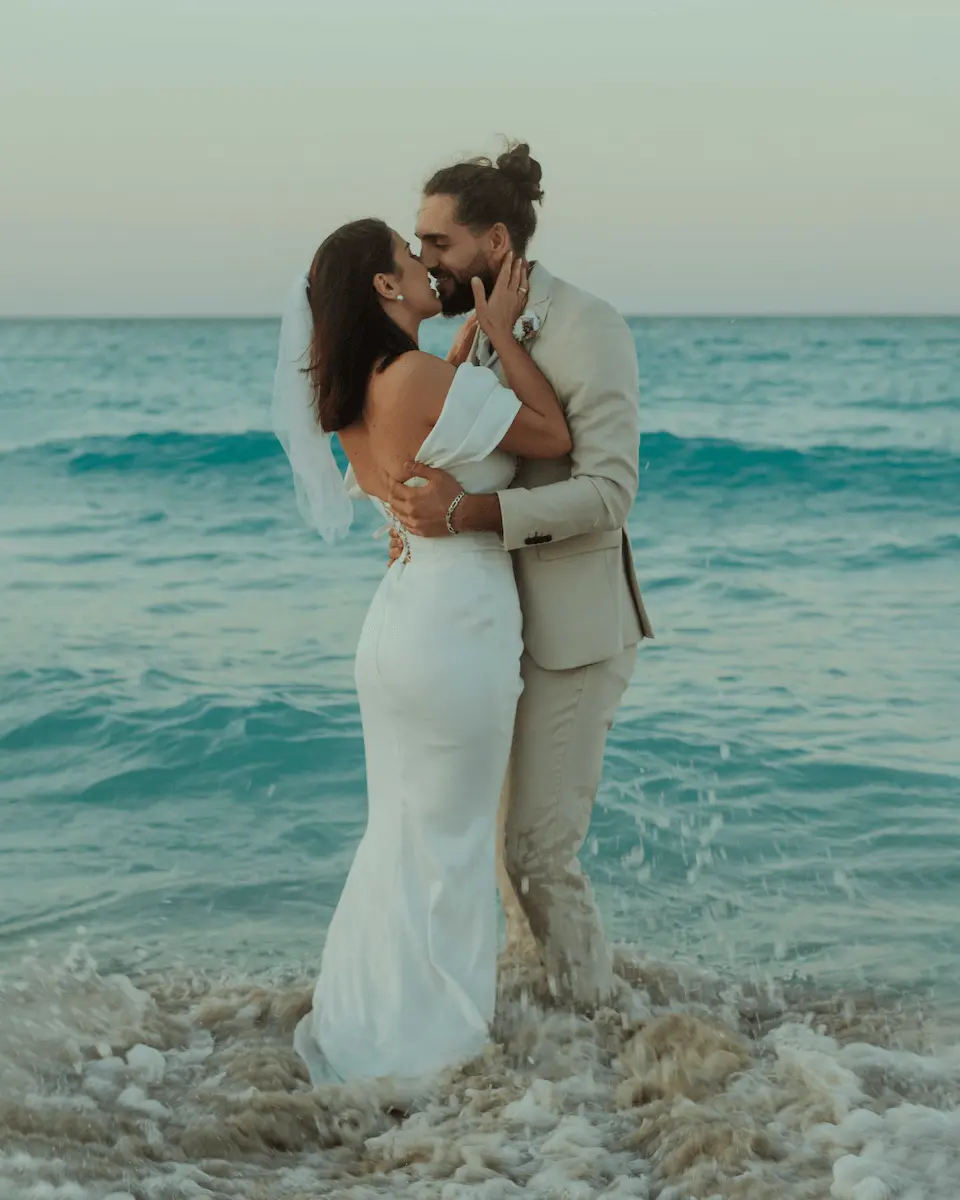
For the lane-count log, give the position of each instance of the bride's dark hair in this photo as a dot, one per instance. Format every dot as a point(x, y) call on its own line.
point(352, 335)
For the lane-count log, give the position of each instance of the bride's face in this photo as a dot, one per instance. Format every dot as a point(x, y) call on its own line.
point(413, 280)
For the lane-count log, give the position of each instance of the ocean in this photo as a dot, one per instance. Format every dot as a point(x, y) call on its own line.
point(776, 846)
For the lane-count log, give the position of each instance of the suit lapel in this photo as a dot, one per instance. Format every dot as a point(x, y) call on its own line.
point(482, 353)
point(541, 291)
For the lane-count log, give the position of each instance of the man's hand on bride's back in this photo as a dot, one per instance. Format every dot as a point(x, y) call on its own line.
point(422, 510)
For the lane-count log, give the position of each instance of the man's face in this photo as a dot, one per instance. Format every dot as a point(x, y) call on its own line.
point(453, 254)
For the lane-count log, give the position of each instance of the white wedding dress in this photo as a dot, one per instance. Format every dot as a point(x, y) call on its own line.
point(408, 973)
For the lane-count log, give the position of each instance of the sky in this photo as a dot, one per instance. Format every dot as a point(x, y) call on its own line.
point(186, 157)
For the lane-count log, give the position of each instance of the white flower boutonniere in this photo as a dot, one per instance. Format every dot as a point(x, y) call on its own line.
point(527, 326)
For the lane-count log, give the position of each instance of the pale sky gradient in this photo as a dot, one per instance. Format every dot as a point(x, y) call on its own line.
point(708, 156)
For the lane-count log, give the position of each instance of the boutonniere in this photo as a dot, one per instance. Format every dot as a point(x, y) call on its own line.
point(526, 327)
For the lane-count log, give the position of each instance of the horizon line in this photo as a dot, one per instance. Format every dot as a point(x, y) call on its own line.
point(778, 315)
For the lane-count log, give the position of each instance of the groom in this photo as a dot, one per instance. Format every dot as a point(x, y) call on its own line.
point(583, 615)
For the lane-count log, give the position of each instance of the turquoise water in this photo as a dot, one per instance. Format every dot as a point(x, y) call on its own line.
point(776, 845)
point(180, 756)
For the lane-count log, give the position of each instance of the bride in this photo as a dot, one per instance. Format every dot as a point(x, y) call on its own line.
point(408, 973)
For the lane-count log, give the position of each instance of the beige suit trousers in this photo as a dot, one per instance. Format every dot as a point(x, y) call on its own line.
point(552, 779)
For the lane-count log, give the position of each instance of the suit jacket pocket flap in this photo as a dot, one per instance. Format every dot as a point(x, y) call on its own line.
point(583, 543)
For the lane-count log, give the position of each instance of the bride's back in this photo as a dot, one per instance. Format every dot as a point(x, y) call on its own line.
point(402, 405)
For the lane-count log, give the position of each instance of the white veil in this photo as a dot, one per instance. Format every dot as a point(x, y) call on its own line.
point(321, 492)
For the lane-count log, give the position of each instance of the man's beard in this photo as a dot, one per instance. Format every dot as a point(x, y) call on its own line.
point(458, 299)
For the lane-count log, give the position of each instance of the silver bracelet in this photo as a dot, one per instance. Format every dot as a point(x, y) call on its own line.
point(451, 510)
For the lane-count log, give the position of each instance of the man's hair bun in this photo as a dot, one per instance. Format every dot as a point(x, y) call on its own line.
point(523, 171)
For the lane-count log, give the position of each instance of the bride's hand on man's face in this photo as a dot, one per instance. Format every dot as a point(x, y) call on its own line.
point(498, 313)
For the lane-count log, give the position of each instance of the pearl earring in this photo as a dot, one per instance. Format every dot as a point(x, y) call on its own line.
point(399, 297)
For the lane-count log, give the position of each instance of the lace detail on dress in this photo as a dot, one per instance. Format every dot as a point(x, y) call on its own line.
point(400, 530)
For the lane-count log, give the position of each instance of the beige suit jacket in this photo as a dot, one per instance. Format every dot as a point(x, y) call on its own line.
point(564, 520)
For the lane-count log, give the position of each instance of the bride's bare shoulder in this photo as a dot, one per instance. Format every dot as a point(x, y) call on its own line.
point(415, 380)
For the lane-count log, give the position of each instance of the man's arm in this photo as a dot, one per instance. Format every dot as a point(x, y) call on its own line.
point(478, 514)
point(601, 385)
